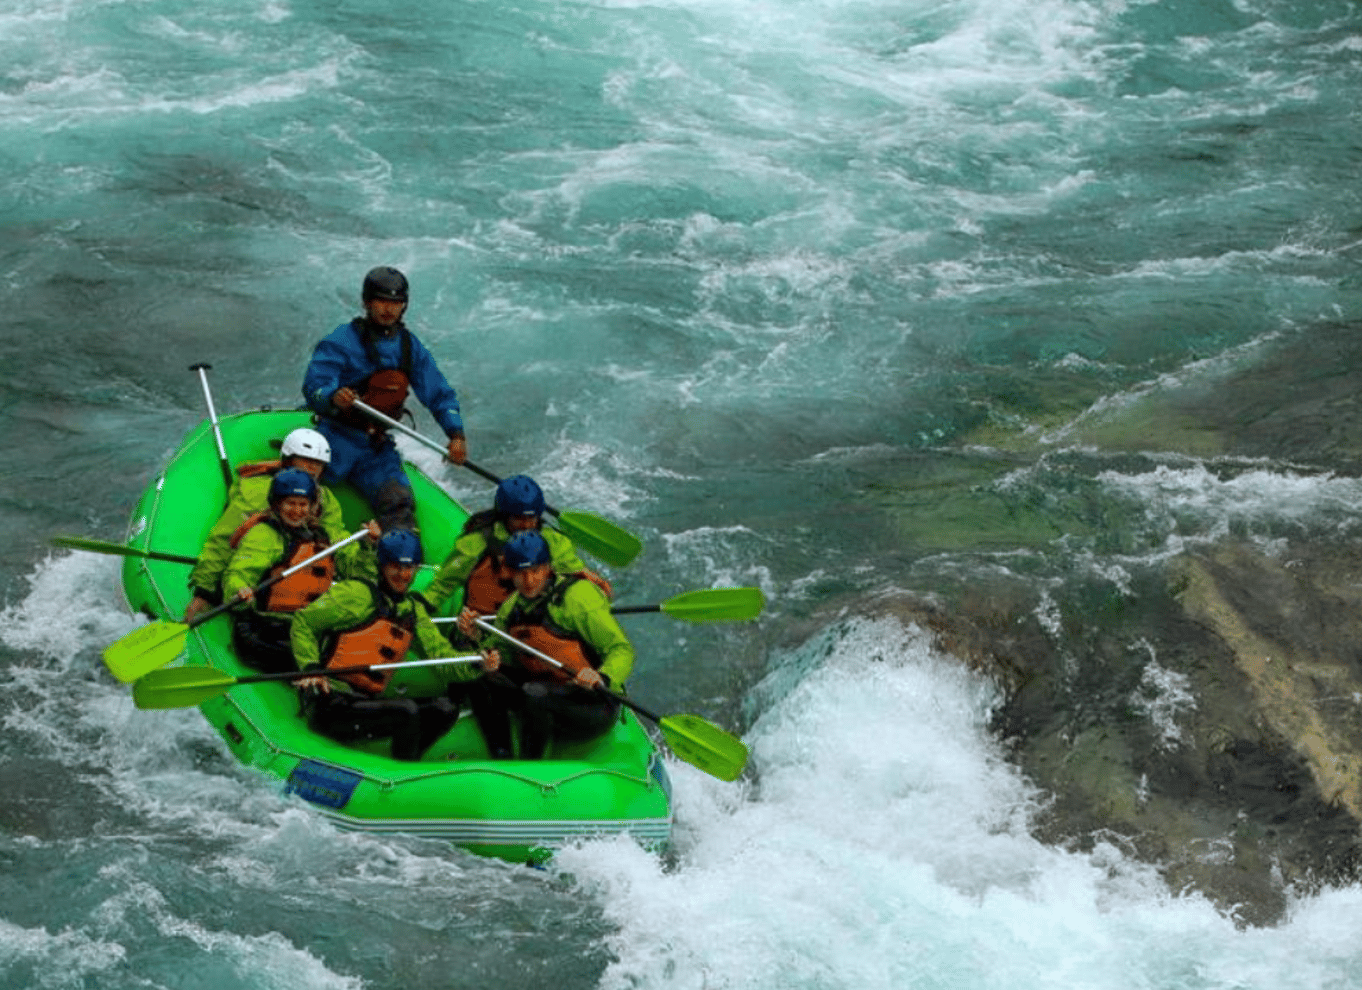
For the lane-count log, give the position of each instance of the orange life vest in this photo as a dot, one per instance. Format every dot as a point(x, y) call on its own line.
point(302, 588)
point(530, 623)
point(382, 639)
point(255, 469)
point(385, 389)
point(488, 585)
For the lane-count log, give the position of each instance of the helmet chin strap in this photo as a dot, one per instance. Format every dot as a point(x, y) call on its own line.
point(380, 329)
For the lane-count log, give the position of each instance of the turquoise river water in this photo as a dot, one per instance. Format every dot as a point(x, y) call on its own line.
point(799, 290)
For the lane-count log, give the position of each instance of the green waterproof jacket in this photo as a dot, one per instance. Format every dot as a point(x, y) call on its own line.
point(246, 497)
point(263, 547)
point(350, 604)
point(580, 609)
point(471, 547)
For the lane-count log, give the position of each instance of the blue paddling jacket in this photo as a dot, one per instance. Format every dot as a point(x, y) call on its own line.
point(349, 355)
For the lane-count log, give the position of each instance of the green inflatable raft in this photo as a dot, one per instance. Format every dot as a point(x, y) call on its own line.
point(517, 810)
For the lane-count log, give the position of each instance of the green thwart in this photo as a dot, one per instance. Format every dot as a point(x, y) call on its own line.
point(519, 810)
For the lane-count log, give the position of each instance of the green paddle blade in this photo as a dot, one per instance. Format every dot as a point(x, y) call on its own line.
point(179, 687)
point(600, 537)
point(716, 605)
point(144, 649)
point(104, 546)
point(703, 744)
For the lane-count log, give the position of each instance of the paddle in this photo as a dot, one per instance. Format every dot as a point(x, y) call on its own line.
point(598, 537)
point(181, 687)
point(157, 643)
point(102, 546)
point(706, 605)
point(202, 369)
point(700, 743)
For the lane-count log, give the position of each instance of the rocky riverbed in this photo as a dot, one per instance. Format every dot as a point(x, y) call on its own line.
point(1222, 741)
point(1204, 711)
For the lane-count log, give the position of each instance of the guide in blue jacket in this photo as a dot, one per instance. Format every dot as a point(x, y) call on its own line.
point(375, 358)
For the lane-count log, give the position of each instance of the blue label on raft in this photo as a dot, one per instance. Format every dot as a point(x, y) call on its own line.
point(322, 784)
point(659, 773)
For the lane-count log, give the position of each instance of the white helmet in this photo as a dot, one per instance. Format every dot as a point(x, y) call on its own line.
point(306, 443)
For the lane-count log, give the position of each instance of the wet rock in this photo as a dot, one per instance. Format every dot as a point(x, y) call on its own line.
point(1248, 784)
point(1293, 640)
point(1202, 712)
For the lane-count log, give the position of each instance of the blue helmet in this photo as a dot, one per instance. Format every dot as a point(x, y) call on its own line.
point(519, 496)
point(292, 481)
point(399, 546)
point(526, 549)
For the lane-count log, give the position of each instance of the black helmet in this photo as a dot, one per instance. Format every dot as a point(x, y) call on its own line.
point(385, 283)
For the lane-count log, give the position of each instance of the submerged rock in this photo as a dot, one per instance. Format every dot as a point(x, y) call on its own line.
point(1215, 735)
point(1165, 587)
